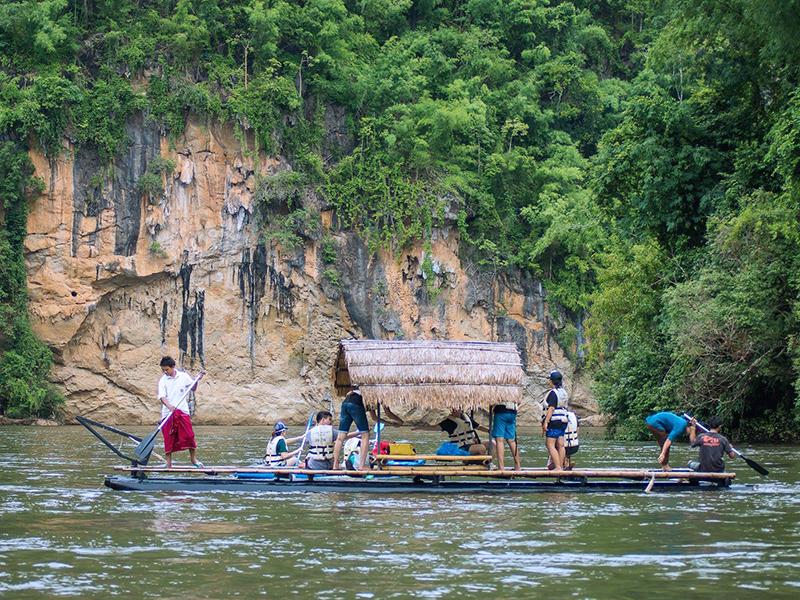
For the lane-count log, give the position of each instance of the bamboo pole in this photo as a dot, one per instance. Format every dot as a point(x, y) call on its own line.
point(449, 471)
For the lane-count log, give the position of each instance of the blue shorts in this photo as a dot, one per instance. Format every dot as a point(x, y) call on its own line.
point(350, 413)
point(450, 449)
point(504, 425)
point(555, 433)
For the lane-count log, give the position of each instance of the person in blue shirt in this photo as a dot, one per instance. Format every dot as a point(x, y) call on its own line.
point(666, 427)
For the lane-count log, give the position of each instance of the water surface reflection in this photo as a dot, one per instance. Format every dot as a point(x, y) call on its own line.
point(63, 534)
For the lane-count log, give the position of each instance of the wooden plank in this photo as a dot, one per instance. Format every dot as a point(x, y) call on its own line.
point(473, 458)
point(437, 469)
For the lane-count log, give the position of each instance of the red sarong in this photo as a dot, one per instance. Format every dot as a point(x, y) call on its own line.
point(178, 432)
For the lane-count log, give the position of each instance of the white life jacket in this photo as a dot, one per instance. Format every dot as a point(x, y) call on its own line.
point(571, 435)
point(352, 447)
point(273, 458)
point(464, 434)
point(320, 442)
point(561, 411)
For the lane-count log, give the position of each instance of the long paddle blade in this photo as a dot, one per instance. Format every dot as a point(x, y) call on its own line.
point(145, 448)
point(754, 465)
point(751, 463)
point(309, 423)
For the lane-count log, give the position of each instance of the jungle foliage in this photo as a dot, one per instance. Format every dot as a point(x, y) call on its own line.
point(641, 157)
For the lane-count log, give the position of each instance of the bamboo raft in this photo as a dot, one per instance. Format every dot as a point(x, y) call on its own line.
point(397, 374)
point(435, 479)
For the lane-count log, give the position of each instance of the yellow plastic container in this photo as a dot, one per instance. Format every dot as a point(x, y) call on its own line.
point(403, 449)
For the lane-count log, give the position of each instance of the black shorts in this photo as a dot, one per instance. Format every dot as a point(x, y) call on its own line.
point(572, 450)
point(350, 413)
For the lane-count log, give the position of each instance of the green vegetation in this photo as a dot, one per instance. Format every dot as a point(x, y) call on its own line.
point(157, 250)
point(641, 157)
point(328, 250)
point(24, 360)
point(331, 275)
point(151, 185)
point(290, 231)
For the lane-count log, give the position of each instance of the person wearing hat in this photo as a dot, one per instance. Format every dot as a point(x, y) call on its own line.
point(555, 420)
point(278, 454)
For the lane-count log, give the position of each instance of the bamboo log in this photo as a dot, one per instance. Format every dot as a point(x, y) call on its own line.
point(639, 474)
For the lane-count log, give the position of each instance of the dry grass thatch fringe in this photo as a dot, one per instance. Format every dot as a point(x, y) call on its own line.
point(444, 374)
point(462, 397)
point(437, 374)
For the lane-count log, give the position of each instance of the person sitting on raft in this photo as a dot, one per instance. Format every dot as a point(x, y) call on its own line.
point(320, 440)
point(571, 442)
point(666, 427)
point(713, 446)
point(461, 431)
point(278, 454)
point(352, 448)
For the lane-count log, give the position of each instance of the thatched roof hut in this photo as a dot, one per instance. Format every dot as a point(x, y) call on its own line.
point(430, 373)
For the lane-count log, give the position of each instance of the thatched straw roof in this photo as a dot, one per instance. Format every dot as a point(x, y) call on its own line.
point(430, 374)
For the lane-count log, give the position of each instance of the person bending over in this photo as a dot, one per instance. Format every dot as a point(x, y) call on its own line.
point(666, 428)
point(353, 411)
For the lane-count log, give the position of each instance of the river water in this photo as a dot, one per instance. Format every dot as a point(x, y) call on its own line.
point(62, 533)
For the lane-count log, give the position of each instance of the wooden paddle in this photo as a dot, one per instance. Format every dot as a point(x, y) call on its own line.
point(751, 463)
point(145, 447)
point(305, 438)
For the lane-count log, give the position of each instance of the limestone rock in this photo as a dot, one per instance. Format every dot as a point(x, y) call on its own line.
point(115, 283)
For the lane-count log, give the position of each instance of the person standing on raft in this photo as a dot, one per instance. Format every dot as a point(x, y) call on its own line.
point(555, 420)
point(504, 430)
point(352, 411)
point(666, 427)
point(173, 388)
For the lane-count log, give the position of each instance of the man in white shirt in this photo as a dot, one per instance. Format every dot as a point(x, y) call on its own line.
point(173, 393)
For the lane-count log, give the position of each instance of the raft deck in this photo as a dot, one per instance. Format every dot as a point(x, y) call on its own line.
point(435, 479)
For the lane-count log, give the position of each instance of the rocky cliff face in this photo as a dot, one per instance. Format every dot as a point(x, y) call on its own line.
point(119, 275)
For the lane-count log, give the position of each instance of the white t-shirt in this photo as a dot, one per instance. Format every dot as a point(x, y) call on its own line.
point(172, 388)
